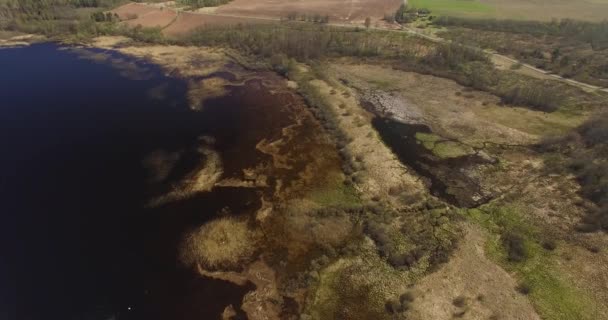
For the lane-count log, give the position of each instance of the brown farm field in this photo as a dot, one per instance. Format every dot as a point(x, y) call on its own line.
point(186, 22)
point(178, 22)
point(337, 10)
point(135, 14)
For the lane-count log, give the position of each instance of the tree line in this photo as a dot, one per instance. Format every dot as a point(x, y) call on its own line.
point(586, 153)
point(594, 33)
point(304, 42)
point(468, 66)
point(194, 4)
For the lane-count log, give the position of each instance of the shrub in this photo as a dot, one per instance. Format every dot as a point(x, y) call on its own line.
point(453, 55)
point(538, 94)
point(523, 288)
point(393, 307)
point(549, 245)
point(406, 297)
point(459, 301)
point(460, 314)
point(595, 34)
point(515, 246)
point(202, 3)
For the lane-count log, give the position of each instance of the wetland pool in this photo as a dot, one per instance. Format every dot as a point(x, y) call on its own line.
point(75, 183)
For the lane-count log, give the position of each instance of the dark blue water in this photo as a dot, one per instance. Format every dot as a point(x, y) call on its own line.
point(79, 243)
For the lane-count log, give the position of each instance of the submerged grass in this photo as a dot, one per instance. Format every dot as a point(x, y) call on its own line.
point(552, 296)
point(339, 195)
point(443, 148)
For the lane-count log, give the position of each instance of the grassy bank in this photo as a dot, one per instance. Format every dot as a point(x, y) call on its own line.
point(523, 248)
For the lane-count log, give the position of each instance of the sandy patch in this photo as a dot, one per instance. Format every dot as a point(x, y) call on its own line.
point(110, 41)
point(19, 40)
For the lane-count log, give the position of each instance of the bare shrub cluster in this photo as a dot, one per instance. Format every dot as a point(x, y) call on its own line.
point(316, 17)
point(586, 153)
point(426, 233)
point(594, 33)
point(304, 41)
point(55, 17)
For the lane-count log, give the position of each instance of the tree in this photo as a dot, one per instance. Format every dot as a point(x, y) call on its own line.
point(368, 22)
point(400, 14)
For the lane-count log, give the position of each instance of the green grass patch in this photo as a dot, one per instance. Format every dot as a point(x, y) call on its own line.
point(428, 139)
point(340, 195)
point(552, 296)
point(452, 7)
point(357, 287)
point(443, 148)
point(451, 149)
point(381, 84)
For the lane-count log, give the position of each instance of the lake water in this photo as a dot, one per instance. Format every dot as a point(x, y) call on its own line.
point(80, 243)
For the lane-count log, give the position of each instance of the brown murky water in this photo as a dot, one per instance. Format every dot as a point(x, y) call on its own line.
point(446, 177)
point(271, 144)
point(78, 181)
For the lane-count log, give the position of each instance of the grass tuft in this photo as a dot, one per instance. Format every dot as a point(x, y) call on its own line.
point(225, 243)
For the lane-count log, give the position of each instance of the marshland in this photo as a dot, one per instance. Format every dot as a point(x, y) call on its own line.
point(203, 160)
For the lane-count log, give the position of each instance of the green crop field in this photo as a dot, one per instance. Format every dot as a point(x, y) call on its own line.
point(589, 10)
point(453, 7)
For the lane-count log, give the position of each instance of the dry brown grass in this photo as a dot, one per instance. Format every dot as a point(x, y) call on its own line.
point(472, 118)
point(222, 243)
point(469, 274)
point(383, 169)
point(205, 89)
